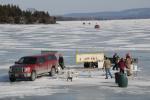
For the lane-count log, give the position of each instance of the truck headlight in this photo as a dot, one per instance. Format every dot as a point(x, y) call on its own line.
point(27, 69)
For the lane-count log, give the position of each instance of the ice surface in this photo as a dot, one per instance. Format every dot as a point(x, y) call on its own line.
point(46, 85)
point(120, 36)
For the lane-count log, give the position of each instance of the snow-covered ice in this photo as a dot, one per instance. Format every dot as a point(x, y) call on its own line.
point(120, 36)
point(46, 85)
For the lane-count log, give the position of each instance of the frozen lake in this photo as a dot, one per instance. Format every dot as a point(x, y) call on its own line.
point(120, 36)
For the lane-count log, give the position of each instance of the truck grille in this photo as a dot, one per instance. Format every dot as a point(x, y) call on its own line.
point(17, 69)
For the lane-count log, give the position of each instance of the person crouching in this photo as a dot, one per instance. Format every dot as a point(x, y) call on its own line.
point(69, 75)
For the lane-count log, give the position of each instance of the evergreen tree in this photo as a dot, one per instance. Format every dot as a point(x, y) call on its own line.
point(13, 14)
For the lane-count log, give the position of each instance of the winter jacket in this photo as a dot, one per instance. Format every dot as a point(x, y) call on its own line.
point(107, 64)
point(115, 58)
point(128, 62)
point(122, 65)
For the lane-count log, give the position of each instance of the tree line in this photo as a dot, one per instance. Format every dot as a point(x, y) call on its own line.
point(12, 14)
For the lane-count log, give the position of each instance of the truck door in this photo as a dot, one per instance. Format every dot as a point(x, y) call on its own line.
point(50, 62)
point(42, 65)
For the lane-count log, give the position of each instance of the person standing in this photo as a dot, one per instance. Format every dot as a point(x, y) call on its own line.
point(115, 61)
point(122, 65)
point(107, 66)
point(61, 61)
point(128, 62)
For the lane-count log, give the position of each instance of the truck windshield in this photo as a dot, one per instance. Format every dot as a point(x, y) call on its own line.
point(27, 60)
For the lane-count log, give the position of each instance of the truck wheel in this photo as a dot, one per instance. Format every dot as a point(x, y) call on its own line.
point(33, 76)
point(53, 72)
point(12, 79)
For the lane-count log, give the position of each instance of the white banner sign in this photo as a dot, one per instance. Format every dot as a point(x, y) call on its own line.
point(90, 57)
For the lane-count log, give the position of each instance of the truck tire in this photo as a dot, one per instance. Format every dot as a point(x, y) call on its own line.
point(53, 72)
point(33, 76)
point(12, 79)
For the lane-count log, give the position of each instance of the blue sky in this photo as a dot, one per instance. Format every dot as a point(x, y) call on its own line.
point(59, 7)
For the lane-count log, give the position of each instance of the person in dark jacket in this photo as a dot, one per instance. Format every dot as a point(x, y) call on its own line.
point(115, 61)
point(122, 65)
point(61, 62)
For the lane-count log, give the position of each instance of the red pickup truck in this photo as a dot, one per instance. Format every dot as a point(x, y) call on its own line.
point(32, 66)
